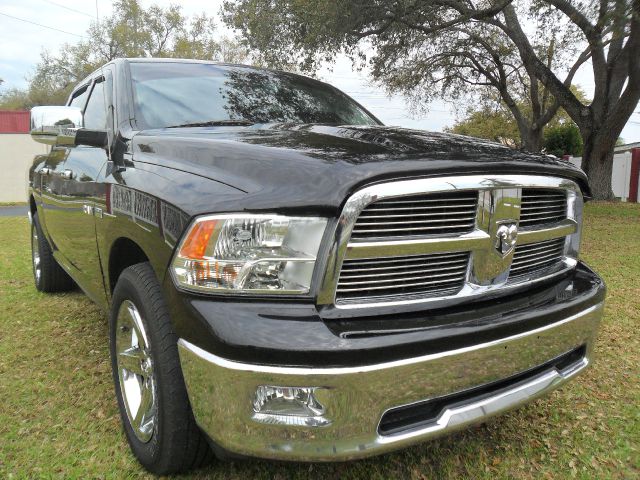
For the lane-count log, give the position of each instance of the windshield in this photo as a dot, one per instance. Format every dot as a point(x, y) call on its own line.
point(174, 94)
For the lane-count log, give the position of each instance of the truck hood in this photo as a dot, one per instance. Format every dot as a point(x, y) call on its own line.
point(319, 165)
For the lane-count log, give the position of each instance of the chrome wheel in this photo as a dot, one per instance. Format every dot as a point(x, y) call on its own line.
point(35, 254)
point(135, 371)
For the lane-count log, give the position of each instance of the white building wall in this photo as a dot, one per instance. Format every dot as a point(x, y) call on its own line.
point(16, 156)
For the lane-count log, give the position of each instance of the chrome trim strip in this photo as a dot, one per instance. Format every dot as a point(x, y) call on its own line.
point(463, 243)
point(498, 202)
point(247, 367)
point(563, 229)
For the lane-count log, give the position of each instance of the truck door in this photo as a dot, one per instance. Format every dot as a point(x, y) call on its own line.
point(54, 206)
point(81, 187)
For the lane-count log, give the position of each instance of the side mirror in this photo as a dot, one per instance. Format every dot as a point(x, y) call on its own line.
point(62, 126)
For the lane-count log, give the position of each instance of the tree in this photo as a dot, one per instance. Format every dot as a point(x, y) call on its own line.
point(488, 122)
point(131, 31)
point(563, 139)
point(559, 138)
point(432, 47)
point(493, 120)
point(497, 124)
point(475, 61)
point(14, 99)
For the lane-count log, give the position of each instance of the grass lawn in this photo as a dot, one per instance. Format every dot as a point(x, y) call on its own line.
point(58, 415)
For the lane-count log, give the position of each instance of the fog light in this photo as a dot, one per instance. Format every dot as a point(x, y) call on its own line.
point(288, 406)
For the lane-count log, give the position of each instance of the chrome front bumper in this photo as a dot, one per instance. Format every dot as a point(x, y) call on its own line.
point(356, 398)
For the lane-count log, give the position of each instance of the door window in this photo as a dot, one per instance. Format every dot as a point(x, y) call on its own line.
point(80, 97)
point(95, 115)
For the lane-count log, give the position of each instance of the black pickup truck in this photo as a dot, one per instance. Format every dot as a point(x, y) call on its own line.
point(288, 278)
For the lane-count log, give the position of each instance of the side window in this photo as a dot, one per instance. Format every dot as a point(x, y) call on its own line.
point(95, 115)
point(79, 98)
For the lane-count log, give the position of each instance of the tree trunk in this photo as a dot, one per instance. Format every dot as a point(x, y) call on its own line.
point(531, 139)
point(597, 162)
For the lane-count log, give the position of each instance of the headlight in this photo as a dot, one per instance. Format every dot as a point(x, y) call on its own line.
point(246, 253)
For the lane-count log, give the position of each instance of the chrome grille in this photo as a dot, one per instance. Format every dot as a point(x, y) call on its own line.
point(439, 238)
point(442, 274)
point(542, 206)
point(451, 213)
point(534, 257)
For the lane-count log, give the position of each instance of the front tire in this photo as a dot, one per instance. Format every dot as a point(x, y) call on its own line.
point(150, 389)
point(48, 275)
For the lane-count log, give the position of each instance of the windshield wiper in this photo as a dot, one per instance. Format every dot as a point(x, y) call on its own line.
point(215, 123)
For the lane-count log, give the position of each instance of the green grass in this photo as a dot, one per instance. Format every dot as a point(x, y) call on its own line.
point(58, 415)
point(13, 204)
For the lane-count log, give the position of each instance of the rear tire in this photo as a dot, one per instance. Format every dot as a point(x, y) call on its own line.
point(152, 397)
point(48, 275)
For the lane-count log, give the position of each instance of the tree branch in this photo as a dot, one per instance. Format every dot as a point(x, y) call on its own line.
point(578, 18)
point(558, 89)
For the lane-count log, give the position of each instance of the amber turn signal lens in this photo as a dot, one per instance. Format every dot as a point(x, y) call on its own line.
point(195, 245)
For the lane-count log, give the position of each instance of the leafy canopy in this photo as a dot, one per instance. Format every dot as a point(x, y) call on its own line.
point(563, 139)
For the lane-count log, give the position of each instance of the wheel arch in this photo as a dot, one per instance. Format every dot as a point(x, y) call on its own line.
point(123, 253)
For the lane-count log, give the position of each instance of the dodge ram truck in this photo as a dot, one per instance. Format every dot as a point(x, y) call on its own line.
point(285, 277)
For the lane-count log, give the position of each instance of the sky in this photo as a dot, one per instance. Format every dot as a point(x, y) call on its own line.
point(21, 44)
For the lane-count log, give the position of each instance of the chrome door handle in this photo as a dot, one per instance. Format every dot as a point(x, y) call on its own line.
point(45, 171)
point(68, 174)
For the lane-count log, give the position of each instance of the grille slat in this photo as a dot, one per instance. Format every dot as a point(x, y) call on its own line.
point(446, 213)
point(544, 197)
point(395, 287)
point(407, 278)
point(367, 215)
point(374, 208)
point(391, 221)
point(534, 206)
point(346, 274)
point(537, 257)
point(401, 276)
point(541, 219)
point(419, 200)
point(542, 206)
point(414, 230)
point(392, 260)
point(533, 247)
point(537, 210)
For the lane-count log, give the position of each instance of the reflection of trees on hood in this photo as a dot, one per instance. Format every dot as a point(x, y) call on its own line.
point(262, 97)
